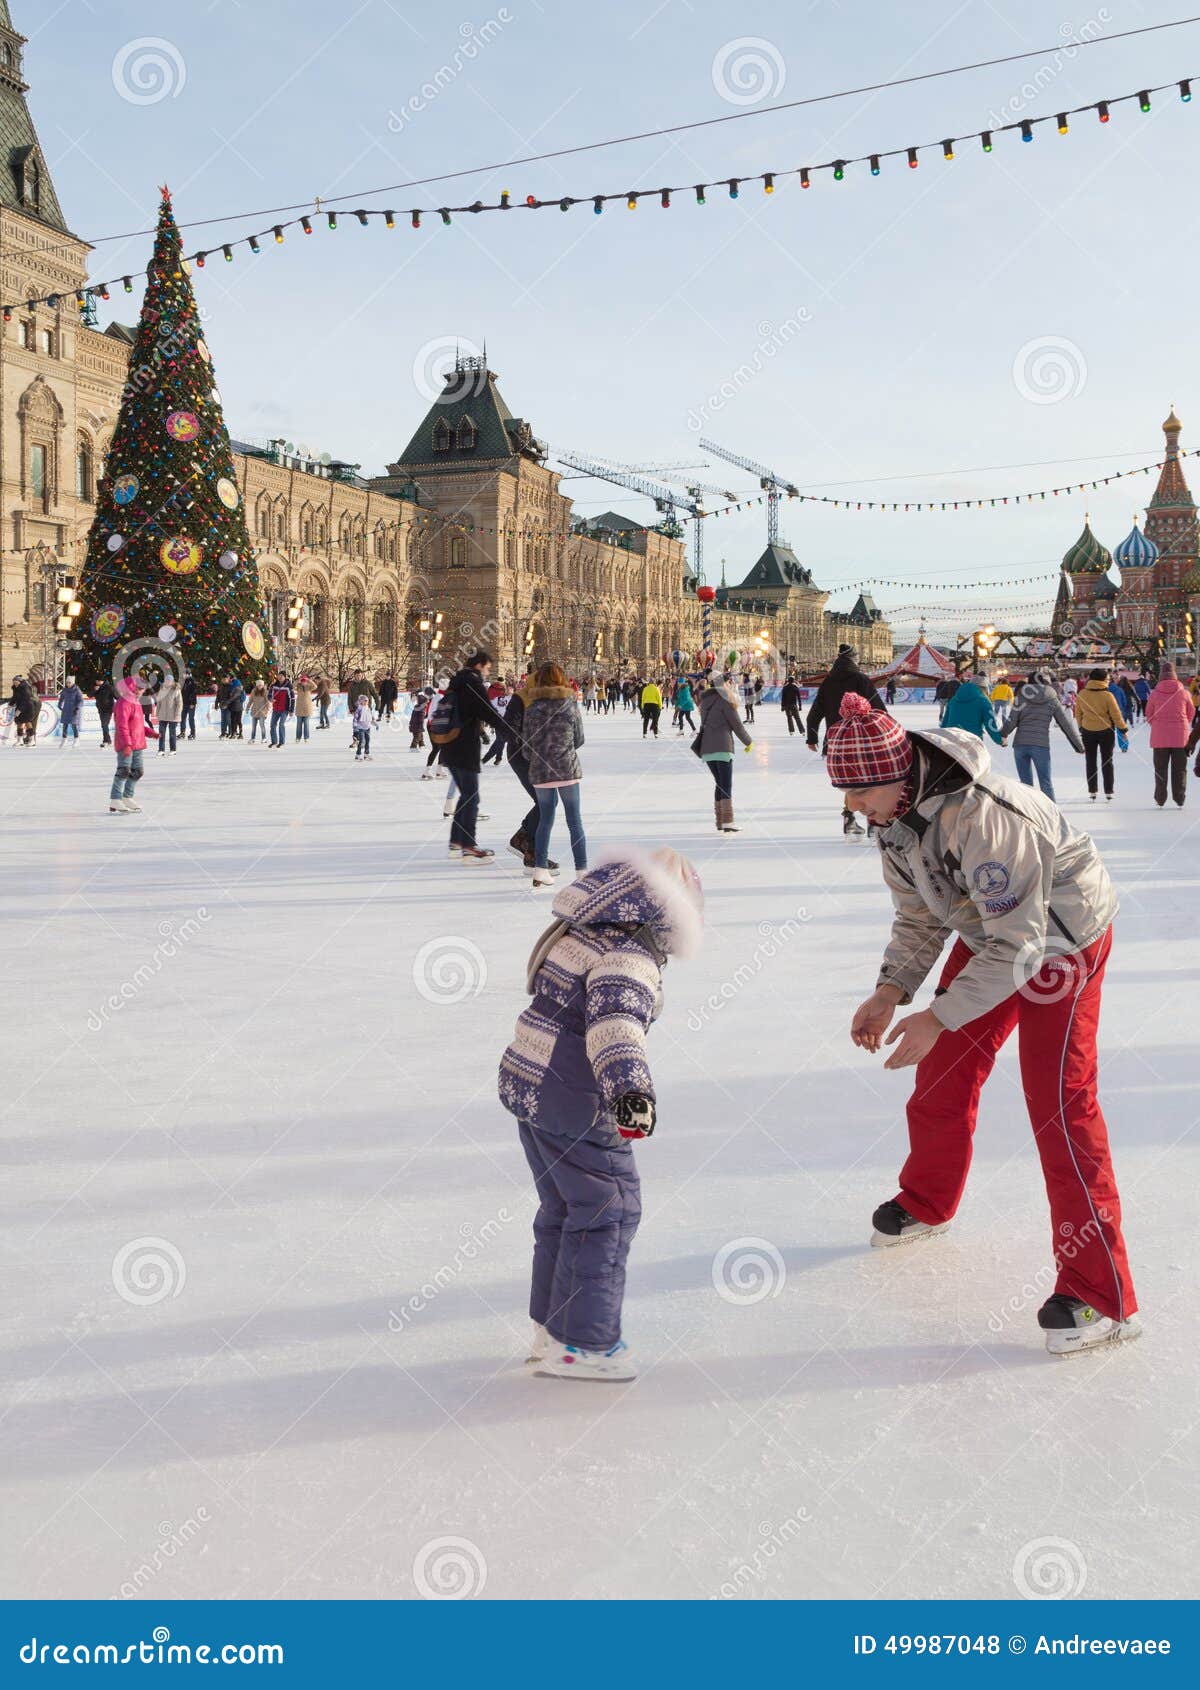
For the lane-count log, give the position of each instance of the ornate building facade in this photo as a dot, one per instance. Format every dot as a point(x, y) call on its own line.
point(1154, 593)
point(468, 530)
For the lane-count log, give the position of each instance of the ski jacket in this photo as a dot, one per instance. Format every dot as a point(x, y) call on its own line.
point(844, 676)
point(994, 861)
point(552, 732)
point(1036, 707)
point(283, 699)
point(684, 702)
point(363, 716)
point(189, 693)
point(650, 695)
point(1169, 713)
point(105, 698)
point(595, 977)
point(168, 702)
point(1096, 709)
point(720, 722)
point(789, 698)
point(129, 723)
point(971, 709)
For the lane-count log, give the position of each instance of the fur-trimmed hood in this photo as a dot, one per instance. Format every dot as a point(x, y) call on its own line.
point(532, 693)
point(628, 888)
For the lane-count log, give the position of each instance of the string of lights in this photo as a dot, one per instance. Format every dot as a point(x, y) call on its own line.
point(732, 186)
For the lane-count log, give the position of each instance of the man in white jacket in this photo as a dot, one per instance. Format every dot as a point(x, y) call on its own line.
point(972, 853)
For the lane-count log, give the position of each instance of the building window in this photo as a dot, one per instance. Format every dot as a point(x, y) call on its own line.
point(39, 598)
point(385, 624)
point(349, 621)
point(442, 437)
point(24, 334)
point(458, 552)
point(467, 435)
point(37, 473)
point(83, 471)
point(316, 621)
point(46, 342)
point(31, 185)
point(306, 531)
point(281, 525)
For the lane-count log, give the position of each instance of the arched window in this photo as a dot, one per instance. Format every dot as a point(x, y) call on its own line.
point(458, 552)
point(510, 552)
point(384, 623)
point(83, 469)
point(306, 528)
point(443, 439)
point(280, 522)
point(467, 435)
point(264, 519)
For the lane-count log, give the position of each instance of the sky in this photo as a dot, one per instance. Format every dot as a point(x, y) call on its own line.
point(972, 328)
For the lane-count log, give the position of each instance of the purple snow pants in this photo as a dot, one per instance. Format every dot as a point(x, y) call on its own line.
point(591, 1203)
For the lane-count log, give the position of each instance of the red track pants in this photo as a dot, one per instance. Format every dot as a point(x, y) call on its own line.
point(1057, 1013)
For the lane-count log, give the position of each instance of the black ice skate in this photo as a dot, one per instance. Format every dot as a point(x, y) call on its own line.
point(1071, 1325)
point(894, 1225)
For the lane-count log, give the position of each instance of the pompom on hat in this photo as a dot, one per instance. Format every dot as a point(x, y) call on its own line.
point(866, 747)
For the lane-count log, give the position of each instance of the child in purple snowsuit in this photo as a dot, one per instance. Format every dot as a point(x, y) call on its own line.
point(577, 1079)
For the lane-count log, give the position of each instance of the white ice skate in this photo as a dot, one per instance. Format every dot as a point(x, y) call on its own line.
point(606, 1367)
point(1071, 1325)
point(541, 877)
point(448, 809)
point(128, 804)
point(539, 1345)
point(894, 1225)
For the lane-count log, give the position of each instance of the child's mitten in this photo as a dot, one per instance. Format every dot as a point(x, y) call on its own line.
point(635, 1115)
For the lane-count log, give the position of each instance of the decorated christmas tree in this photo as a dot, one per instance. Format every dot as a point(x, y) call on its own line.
point(169, 562)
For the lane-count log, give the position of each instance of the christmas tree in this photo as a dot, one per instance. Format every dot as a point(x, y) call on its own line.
point(169, 562)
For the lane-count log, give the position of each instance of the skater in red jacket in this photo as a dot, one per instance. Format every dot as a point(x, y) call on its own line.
point(972, 853)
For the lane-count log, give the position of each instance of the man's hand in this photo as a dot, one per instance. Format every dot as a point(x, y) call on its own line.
point(873, 1017)
point(917, 1034)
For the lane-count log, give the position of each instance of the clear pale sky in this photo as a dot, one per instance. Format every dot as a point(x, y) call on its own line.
point(880, 320)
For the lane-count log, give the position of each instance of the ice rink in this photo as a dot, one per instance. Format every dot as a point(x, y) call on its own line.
point(266, 1228)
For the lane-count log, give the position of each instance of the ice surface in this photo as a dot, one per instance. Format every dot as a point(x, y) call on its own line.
point(260, 1024)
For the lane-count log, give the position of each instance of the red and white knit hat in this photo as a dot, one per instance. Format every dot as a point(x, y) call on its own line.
point(866, 747)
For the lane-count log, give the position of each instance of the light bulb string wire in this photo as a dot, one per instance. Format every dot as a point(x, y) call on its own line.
point(273, 232)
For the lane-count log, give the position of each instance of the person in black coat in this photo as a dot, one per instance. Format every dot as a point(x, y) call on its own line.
point(512, 741)
point(187, 724)
point(105, 698)
point(24, 703)
point(791, 703)
point(475, 714)
point(943, 693)
point(389, 692)
point(844, 676)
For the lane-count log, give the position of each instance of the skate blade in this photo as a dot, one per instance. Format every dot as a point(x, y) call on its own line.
point(887, 1241)
point(588, 1378)
point(1126, 1333)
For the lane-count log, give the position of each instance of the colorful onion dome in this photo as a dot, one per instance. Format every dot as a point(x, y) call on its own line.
point(1136, 551)
point(1087, 556)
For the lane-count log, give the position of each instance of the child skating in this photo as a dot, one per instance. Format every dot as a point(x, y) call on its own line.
point(577, 1079)
point(970, 852)
point(362, 719)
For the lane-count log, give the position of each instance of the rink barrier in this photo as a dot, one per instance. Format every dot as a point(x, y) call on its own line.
point(410, 1640)
point(207, 715)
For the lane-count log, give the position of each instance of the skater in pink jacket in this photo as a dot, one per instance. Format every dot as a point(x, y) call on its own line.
point(129, 739)
point(1169, 711)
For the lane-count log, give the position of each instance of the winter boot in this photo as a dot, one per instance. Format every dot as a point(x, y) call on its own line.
point(1072, 1325)
point(727, 823)
point(850, 823)
point(894, 1225)
point(717, 815)
point(521, 844)
point(566, 1361)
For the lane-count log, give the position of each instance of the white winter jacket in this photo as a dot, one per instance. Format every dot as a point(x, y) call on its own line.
point(994, 861)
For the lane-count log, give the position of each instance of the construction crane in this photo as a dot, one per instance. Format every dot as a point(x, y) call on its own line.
point(666, 500)
point(774, 486)
point(640, 469)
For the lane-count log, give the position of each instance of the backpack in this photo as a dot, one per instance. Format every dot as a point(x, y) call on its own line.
point(445, 723)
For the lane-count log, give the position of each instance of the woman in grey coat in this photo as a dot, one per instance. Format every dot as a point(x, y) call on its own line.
point(720, 721)
point(551, 734)
point(1036, 707)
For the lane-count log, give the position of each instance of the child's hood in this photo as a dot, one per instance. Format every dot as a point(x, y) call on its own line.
point(631, 888)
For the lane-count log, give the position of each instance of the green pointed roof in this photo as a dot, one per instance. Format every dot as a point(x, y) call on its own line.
point(778, 567)
point(25, 184)
point(468, 423)
point(1087, 556)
